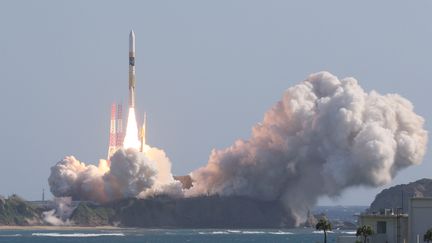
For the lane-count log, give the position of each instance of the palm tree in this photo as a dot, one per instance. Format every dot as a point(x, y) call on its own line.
point(365, 231)
point(428, 236)
point(324, 224)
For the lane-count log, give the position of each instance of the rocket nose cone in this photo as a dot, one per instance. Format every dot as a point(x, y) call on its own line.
point(132, 41)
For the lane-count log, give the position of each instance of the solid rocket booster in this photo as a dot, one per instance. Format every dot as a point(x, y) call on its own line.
point(143, 133)
point(132, 69)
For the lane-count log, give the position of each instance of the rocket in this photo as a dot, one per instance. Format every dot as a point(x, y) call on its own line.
point(132, 69)
point(133, 137)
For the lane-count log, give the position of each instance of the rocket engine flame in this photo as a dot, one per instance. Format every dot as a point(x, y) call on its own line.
point(131, 138)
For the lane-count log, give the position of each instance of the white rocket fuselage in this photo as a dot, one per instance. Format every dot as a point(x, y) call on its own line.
point(132, 69)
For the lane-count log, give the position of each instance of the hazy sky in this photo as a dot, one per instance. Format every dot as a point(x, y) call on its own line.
point(206, 73)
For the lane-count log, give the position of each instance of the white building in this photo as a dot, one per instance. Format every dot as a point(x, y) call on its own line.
point(388, 227)
point(420, 218)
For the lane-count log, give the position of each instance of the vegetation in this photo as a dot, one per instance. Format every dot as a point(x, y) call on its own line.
point(89, 214)
point(428, 236)
point(16, 211)
point(364, 231)
point(324, 225)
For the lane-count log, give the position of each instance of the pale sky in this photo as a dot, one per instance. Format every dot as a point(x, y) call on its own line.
point(206, 73)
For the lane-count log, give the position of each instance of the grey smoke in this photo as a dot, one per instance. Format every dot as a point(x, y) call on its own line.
point(324, 136)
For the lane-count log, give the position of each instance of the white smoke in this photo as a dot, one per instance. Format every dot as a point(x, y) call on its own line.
point(129, 174)
point(324, 136)
point(59, 216)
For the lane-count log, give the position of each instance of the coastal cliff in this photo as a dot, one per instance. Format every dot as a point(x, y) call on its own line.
point(198, 212)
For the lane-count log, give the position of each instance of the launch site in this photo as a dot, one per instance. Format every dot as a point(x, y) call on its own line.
point(216, 121)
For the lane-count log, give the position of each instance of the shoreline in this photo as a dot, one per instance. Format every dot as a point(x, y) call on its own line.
point(90, 228)
point(57, 228)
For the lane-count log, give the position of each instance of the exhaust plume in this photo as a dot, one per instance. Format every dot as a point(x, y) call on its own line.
point(131, 138)
point(324, 136)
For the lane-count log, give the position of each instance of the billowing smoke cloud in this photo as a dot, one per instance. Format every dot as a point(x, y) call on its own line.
point(129, 174)
point(324, 136)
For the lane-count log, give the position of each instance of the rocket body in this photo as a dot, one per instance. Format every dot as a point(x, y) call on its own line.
point(132, 69)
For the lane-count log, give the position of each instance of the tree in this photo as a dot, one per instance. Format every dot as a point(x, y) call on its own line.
point(324, 225)
point(364, 231)
point(428, 236)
